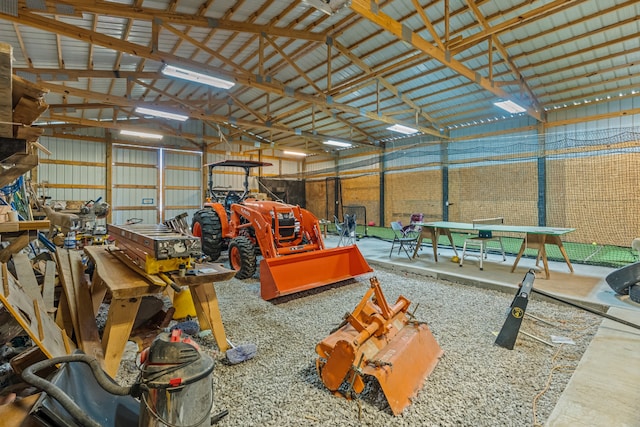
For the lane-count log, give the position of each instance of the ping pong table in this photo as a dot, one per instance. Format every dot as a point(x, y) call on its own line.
point(535, 238)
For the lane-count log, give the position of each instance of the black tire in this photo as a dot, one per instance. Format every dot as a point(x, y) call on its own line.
point(242, 257)
point(634, 293)
point(211, 229)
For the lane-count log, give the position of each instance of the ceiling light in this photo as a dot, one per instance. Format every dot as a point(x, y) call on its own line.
point(337, 143)
point(163, 114)
point(140, 134)
point(510, 106)
point(327, 6)
point(402, 129)
point(295, 153)
point(192, 76)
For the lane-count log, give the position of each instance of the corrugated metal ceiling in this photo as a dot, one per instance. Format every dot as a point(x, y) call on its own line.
point(100, 58)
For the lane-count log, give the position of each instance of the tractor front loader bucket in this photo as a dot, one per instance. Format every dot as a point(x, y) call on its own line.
point(380, 341)
point(307, 270)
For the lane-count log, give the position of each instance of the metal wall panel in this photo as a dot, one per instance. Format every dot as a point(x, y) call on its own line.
point(288, 167)
point(182, 183)
point(135, 185)
point(81, 177)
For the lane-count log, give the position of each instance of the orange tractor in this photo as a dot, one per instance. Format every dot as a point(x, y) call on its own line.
point(288, 237)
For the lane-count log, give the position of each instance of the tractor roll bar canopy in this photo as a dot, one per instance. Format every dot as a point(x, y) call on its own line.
point(245, 164)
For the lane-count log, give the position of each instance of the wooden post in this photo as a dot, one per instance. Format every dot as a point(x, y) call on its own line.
point(6, 104)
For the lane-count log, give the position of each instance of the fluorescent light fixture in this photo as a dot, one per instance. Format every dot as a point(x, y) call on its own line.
point(140, 134)
point(163, 114)
point(402, 129)
point(337, 143)
point(327, 6)
point(510, 106)
point(192, 76)
point(295, 153)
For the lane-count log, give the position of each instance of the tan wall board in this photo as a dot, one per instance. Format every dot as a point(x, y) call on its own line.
point(508, 190)
point(413, 192)
point(316, 196)
point(363, 191)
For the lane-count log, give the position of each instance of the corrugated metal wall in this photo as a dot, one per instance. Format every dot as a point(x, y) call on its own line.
point(75, 170)
point(182, 183)
point(136, 184)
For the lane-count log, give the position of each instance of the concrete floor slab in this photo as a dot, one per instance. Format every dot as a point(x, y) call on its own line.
point(605, 388)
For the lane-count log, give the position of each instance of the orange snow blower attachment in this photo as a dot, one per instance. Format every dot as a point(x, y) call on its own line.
point(381, 341)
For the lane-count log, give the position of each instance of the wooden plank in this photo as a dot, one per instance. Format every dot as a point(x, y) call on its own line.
point(17, 412)
point(122, 276)
point(28, 110)
point(34, 225)
point(25, 88)
point(36, 325)
point(9, 227)
point(48, 287)
point(98, 291)
point(21, 163)
point(26, 277)
point(219, 274)
point(66, 280)
point(89, 339)
point(6, 109)
point(206, 303)
point(5, 280)
point(30, 134)
point(119, 324)
point(15, 246)
point(63, 315)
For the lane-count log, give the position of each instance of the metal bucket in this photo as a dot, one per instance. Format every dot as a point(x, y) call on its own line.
point(295, 273)
point(177, 385)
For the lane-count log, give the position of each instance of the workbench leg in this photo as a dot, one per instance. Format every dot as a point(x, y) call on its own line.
point(122, 314)
point(206, 302)
point(98, 291)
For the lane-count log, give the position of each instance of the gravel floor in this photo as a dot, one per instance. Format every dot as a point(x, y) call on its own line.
point(475, 384)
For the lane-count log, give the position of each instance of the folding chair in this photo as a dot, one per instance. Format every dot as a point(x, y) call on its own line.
point(482, 239)
point(413, 230)
point(412, 227)
point(406, 243)
point(346, 230)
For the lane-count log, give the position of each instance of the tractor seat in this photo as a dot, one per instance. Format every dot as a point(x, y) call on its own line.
point(231, 198)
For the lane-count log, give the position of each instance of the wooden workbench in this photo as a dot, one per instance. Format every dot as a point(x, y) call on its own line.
point(127, 289)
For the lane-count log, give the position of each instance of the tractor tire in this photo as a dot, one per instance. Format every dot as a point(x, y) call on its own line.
point(242, 257)
point(206, 225)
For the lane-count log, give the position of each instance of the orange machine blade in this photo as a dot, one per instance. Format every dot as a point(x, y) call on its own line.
point(398, 352)
point(298, 272)
point(407, 360)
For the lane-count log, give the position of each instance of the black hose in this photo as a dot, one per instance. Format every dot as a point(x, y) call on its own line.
point(29, 376)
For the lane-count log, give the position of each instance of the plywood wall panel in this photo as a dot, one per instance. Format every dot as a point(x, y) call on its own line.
point(413, 192)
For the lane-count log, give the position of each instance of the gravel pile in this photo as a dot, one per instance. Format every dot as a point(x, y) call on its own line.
point(476, 382)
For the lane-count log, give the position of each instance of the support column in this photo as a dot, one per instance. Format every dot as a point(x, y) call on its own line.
point(382, 192)
point(542, 176)
point(444, 159)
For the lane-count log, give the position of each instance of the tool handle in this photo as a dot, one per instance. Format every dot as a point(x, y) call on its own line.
point(585, 308)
